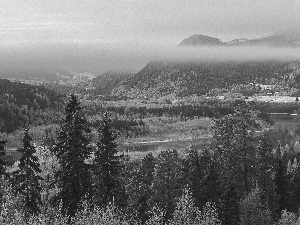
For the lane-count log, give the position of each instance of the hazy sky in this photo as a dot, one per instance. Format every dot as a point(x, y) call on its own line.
point(144, 20)
point(40, 26)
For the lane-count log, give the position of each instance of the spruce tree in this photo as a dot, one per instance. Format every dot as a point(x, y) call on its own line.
point(3, 159)
point(167, 183)
point(72, 149)
point(254, 210)
point(236, 167)
point(265, 164)
point(26, 177)
point(200, 173)
point(3, 165)
point(139, 188)
point(107, 167)
point(281, 182)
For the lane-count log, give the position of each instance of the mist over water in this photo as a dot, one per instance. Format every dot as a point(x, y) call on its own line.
point(97, 57)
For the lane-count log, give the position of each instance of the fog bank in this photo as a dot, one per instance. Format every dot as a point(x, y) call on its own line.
point(96, 57)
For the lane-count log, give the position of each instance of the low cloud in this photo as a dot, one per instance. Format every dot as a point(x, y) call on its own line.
point(97, 57)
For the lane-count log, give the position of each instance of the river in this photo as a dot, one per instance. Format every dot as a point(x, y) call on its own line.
point(286, 130)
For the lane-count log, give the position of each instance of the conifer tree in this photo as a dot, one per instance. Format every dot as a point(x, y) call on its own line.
point(140, 188)
point(234, 149)
point(3, 165)
point(281, 182)
point(72, 149)
point(3, 158)
point(168, 182)
point(229, 208)
point(107, 167)
point(27, 178)
point(200, 173)
point(295, 190)
point(234, 146)
point(265, 164)
point(254, 210)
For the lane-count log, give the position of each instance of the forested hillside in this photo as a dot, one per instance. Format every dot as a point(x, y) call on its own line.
point(103, 84)
point(24, 104)
point(187, 78)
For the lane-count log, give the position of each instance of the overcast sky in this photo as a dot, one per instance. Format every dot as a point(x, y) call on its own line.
point(98, 22)
point(144, 20)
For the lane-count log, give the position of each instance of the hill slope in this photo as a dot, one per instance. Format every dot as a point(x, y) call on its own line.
point(24, 104)
point(159, 79)
point(104, 84)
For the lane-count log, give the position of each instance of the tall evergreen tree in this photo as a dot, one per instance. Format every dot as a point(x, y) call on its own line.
point(254, 210)
point(234, 149)
point(72, 149)
point(3, 158)
point(200, 173)
point(234, 146)
point(26, 177)
point(265, 164)
point(107, 167)
point(139, 188)
point(168, 182)
point(281, 182)
point(3, 165)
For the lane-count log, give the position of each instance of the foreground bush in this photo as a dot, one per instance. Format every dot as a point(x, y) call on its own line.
point(185, 214)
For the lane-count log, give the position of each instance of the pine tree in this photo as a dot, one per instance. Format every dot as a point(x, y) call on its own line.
point(281, 182)
point(27, 178)
point(254, 210)
point(107, 167)
point(200, 173)
point(230, 210)
point(168, 182)
point(3, 165)
point(234, 147)
point(265, 164)
point(72, 149)
point(139, 188)
point(236, 167)
point(3, 158)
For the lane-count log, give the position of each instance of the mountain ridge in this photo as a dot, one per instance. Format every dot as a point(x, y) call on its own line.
point(278, 39)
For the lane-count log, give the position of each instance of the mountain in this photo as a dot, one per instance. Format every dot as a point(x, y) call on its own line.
point(200, 39)
point(290, 38)
point(104, 84)
point(158, 79)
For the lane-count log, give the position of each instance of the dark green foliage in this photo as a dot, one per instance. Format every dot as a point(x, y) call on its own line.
point(235, 149)
point(265, 166)
point(105, 83)
point(238, 161)
point(295, 189)
point(3, 159)
point(139, 189)
point(107, 167)
point(168, 181)
point(23, 104)
point(3, 166)
point(72, 149)
point(201, 176)
point(26, 177)
point(254, 210)
point(187, 78)
point(229, 206)
point(281, 182)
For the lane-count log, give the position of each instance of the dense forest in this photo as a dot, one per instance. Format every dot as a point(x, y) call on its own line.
point(238, 179)
point(183, 79)
point(23, 104)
